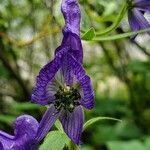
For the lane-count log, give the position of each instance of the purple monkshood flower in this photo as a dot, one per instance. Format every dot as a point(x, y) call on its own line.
point(136, 11)
point(62, 84)
point(25, 130)
point(65, 99)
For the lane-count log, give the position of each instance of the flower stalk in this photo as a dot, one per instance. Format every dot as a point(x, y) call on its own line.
point(117, 22)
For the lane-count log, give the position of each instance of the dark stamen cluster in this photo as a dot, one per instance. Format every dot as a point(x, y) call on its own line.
point(130, 4)
point(67, 98)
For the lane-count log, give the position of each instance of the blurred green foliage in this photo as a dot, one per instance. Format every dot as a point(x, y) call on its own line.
point(30, 30)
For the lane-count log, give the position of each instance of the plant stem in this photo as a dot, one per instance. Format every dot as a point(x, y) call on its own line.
point(116, 23)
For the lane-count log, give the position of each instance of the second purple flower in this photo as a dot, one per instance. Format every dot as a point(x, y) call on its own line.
point(136, 11)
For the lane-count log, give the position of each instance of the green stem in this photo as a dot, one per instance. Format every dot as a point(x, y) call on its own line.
point(120, 36)
point(116, 23)
point(73, 146)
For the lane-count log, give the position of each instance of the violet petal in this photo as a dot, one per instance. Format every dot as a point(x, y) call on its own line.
point(40, 94)
point(142, 5)
point(73, 123)
point(25, 130)
point(73, 42)
point(88, 93)
point(141, 2)
point(133, 21)
point(1, 146)
point(143, 23)
point(72, 15)
point(137, 20)
point(47, 122)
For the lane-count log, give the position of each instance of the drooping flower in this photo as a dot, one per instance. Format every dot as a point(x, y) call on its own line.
point(62, 83)
point(136, 11)
point(25, 130)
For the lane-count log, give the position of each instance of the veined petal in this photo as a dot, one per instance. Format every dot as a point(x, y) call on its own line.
point(1, 146)
point(73, 123)
point(137, 21)
point(25, 130)
point(133, 21)
point(6, 140)
point(40, 94)
point(66, 70)
point(142, 5)
point(73, 42)
point(47, 122)
point(26, 125)
point(141, 2)
point(145, 8)
point(72, 15)
point(143, 23)
point(88, 93)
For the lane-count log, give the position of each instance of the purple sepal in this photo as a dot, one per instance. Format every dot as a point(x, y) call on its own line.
point(137, 20)
point(25, 129)
point(88, 93)
point(47, 73)
point(73, 123)
point(73, 42)
point(47, 122)
point(142, 5)
point(72, 15)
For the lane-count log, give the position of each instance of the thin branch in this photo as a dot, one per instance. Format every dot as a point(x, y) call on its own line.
point(142, 49)
point(13, 72)
point(22, 43)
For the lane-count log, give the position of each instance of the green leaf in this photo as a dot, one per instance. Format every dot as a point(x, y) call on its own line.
point(59, 126)
point(147, 143)
point(139, 66)
point(119, 36)
point(121, 145)
point(94, 120)
point(7, 119)
point(89, 35)
point(25, 106)
point(55, 140)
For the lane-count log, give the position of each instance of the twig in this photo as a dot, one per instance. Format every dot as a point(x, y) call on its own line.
point(22, 43)
point(13, 72)
point(142, 49)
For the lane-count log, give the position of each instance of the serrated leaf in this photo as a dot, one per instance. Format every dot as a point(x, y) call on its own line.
point(94, 120)
point(55, 140)
point(89, 35)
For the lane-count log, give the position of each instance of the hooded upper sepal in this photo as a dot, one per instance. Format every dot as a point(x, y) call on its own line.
point(72, 15)
point(25, 129)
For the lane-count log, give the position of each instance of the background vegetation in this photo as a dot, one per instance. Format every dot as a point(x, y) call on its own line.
point(30, 31)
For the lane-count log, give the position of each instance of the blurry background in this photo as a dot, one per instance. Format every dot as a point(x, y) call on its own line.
point(30, 31)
